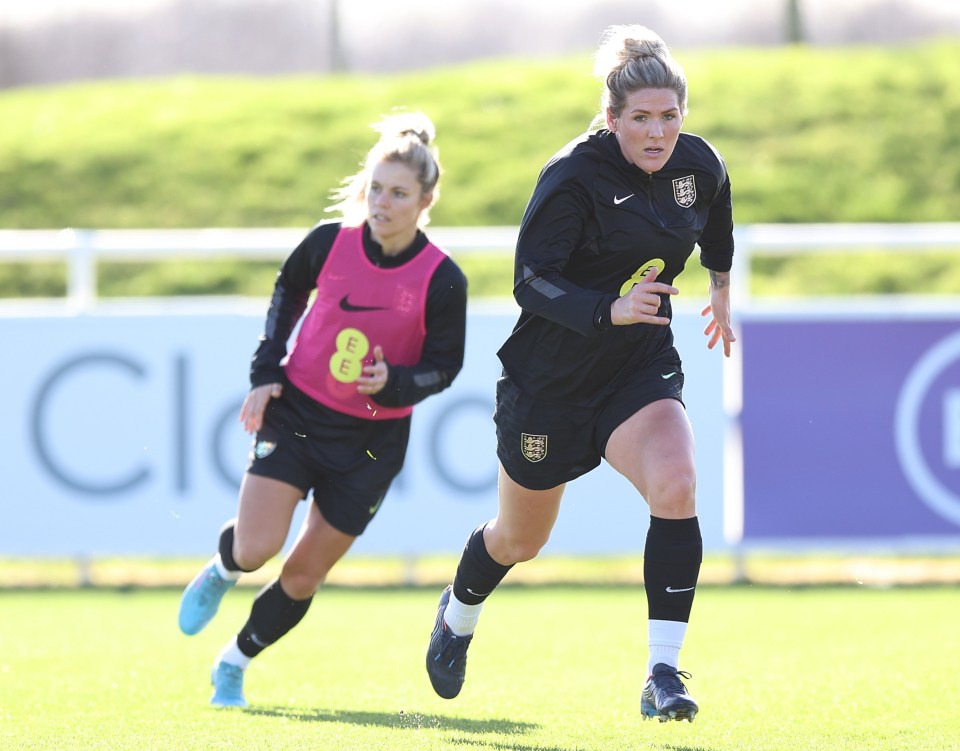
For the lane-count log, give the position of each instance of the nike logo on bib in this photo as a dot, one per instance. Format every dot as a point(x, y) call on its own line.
point(617, 200)
point(348, 306)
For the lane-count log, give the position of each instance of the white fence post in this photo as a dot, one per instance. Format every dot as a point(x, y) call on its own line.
point(82, 268)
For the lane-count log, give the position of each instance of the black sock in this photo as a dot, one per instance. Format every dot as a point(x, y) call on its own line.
point(477, 574)
point(273, 614)
point(226, 546)
point(671, 567)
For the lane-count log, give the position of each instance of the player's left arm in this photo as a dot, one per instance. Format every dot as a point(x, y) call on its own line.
point(719, 326)
point(716, 254)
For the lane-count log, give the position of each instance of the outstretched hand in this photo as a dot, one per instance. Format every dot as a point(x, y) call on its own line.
point(719, 326)
point(251, 413)
point(374, 376)
point(642, 303)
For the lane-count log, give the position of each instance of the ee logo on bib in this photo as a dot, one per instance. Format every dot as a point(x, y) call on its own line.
point(346, 364)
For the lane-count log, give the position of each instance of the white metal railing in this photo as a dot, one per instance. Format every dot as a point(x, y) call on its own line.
point(786, 239)
point(81, 249)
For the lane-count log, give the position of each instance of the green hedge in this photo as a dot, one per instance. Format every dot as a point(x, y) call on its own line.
point(809, 135)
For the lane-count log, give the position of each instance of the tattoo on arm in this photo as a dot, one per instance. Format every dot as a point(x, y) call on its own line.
point(719, 279)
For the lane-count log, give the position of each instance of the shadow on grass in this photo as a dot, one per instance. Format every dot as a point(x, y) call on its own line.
point(505, 745)
point(416, 721)
point(413, 720)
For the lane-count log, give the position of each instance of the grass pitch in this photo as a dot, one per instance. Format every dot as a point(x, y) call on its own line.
point(551, 669)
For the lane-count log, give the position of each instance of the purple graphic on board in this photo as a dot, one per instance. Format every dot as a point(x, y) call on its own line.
point(851, 428)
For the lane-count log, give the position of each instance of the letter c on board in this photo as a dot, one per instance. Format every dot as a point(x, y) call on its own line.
point(39, 419)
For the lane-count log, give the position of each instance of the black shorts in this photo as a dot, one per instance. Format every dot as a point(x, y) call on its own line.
point(544, 444)
point(347, 462)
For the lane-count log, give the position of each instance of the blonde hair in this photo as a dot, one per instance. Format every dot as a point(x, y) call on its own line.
point(631, 58)
point(406, 138)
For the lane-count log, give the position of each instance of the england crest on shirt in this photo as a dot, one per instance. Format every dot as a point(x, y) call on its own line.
point(685, 191)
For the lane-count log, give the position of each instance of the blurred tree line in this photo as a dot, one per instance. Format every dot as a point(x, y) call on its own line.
point(276, 37)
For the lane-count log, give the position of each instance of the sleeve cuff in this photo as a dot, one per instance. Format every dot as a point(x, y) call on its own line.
point(601, 316)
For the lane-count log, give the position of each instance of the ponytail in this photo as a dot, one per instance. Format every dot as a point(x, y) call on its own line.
point(406, 138)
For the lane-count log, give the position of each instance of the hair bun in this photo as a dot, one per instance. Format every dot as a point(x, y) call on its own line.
point(622, 44)
point(421, 135)
point(407, 125)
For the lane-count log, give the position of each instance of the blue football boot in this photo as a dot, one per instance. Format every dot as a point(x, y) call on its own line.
point(201, 598)
point(227, 683)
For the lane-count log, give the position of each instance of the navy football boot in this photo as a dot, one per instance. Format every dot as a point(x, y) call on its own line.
point(665, 697)
point(447, 654)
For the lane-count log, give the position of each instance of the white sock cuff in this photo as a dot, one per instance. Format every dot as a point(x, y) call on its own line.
point(665, 639)
point(224, 572)
point(461, 618)
point(666, 633)
point(232, 655)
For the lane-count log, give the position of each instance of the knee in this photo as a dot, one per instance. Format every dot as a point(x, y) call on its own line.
point(674, 496)
point(250, 553)
point(508, 549)
point(298, 582)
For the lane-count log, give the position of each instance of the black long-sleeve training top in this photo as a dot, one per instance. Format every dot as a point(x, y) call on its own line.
point(593, 226)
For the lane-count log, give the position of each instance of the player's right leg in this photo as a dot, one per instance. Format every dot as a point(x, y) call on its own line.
point(521, 528)
point(246, 543)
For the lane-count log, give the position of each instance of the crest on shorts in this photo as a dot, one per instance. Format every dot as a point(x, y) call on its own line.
point(263, 449)
point(685, 191)
point(533, 447)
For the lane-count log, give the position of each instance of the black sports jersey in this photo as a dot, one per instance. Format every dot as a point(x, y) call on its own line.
point(593, 227)
point(443, 347)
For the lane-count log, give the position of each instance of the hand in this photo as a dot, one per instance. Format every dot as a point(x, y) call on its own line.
point(251, 413)
point(374, 376)
point(642, 303)
point(719, 325)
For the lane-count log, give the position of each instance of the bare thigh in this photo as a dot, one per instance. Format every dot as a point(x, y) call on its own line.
point(523, 523)
point(263, 519)
point(654, 450)
point(317, 548)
